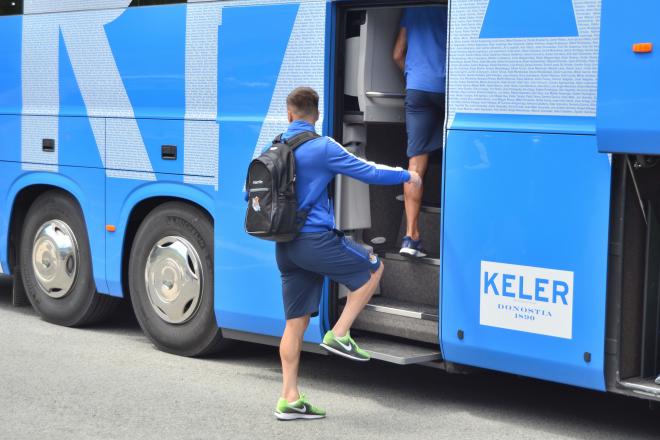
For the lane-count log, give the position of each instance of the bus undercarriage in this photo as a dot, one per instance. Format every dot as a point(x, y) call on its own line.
point(633, 328)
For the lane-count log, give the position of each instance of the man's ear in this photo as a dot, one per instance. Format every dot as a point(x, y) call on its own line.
point(290, 116)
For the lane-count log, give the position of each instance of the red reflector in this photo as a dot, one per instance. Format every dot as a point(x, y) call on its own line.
point(110, 228)
point(643, 47)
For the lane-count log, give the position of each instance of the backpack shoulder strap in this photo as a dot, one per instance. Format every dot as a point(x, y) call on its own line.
point(301, 138)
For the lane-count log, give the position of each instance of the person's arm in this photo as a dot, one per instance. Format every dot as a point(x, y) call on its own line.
point(340, 161)
point(401, 48)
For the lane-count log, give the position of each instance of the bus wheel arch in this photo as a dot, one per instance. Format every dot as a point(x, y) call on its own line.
point(168, 268)
point(52, 250)
point(19, 209)
point(138, 212)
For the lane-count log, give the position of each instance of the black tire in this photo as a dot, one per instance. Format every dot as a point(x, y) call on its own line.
point(199, 334)
point(82, 305)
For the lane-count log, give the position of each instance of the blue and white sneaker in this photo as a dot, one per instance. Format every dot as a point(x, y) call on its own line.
point(412, 248)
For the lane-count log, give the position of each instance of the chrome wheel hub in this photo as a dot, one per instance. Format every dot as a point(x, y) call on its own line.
point(55, 258)
point(173, 275)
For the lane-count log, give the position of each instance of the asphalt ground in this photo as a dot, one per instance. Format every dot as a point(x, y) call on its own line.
point(108, 382)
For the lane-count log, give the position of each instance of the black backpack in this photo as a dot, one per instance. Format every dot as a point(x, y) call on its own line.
point(272, 211)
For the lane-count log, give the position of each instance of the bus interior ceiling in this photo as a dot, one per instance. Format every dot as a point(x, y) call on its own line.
point(638, 299)
point(371, 124)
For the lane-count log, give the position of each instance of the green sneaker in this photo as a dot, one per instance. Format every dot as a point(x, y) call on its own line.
point(300, 409)
point(344, 346)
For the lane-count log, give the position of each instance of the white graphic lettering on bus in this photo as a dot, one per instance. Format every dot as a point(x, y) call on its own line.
point(526, 298)
point(111, 113)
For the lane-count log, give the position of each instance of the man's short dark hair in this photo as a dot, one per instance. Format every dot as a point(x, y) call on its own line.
point(304, 102)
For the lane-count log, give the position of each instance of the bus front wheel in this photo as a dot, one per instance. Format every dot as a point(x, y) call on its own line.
point(171, 280)
point(56, 263)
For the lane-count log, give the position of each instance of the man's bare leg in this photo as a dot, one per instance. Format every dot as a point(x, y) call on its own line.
point(355, 302)
point(412, 195)
point(290, 347)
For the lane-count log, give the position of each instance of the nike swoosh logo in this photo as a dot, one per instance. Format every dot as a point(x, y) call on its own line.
point(348, 347)
point(302, 410)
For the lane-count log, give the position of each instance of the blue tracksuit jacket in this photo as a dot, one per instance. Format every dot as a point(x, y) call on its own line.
point(317, 162)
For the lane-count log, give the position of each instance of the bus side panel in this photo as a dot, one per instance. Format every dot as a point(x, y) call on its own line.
point(10, 67)
point(124, 193)
point(21, 140)
point(10, 138)
point(148, 45)
point(8, 171)
point(258, 67)
point(74, 143)
point(628, 111)
point(524, 254)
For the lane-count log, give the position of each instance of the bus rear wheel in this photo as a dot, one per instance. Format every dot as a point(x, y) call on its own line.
point(171, 280)
point(55, 263)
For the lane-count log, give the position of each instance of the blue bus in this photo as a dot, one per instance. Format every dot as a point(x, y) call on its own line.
point(126, 128)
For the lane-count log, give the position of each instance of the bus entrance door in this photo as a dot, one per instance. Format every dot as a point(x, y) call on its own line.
point(401, 321)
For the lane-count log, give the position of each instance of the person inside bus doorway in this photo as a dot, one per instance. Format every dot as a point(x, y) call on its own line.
point(321, 251)
point(420, 52)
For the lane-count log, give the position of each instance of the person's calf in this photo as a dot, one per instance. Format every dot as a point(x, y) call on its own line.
point(413, 204)
point(290, 347)
point(413, 195)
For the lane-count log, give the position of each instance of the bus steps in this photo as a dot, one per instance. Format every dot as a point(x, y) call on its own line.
point(407, 306)
point(407, 324)
point(403, 308)
point(644, 386)
point(431, 261)
point(397, 351)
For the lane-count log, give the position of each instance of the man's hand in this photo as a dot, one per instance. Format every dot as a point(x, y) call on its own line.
point(415, 180)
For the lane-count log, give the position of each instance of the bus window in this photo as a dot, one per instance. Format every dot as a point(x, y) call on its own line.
point(11, 7)
point(155, 2)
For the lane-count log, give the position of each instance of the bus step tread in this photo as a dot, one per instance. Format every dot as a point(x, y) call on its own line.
point(408, 309)
point(645, 385)
point(430, 260)
point(405, 327)
point(397, 351)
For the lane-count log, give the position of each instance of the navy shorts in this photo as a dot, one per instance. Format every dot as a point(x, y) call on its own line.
point(425, 116)
point(312, 256)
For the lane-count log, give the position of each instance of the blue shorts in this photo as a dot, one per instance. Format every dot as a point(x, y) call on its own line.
point(305, 261)
point(425, 116)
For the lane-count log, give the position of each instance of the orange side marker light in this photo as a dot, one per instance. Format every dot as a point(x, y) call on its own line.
point(643, 47)
point(110, 228)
